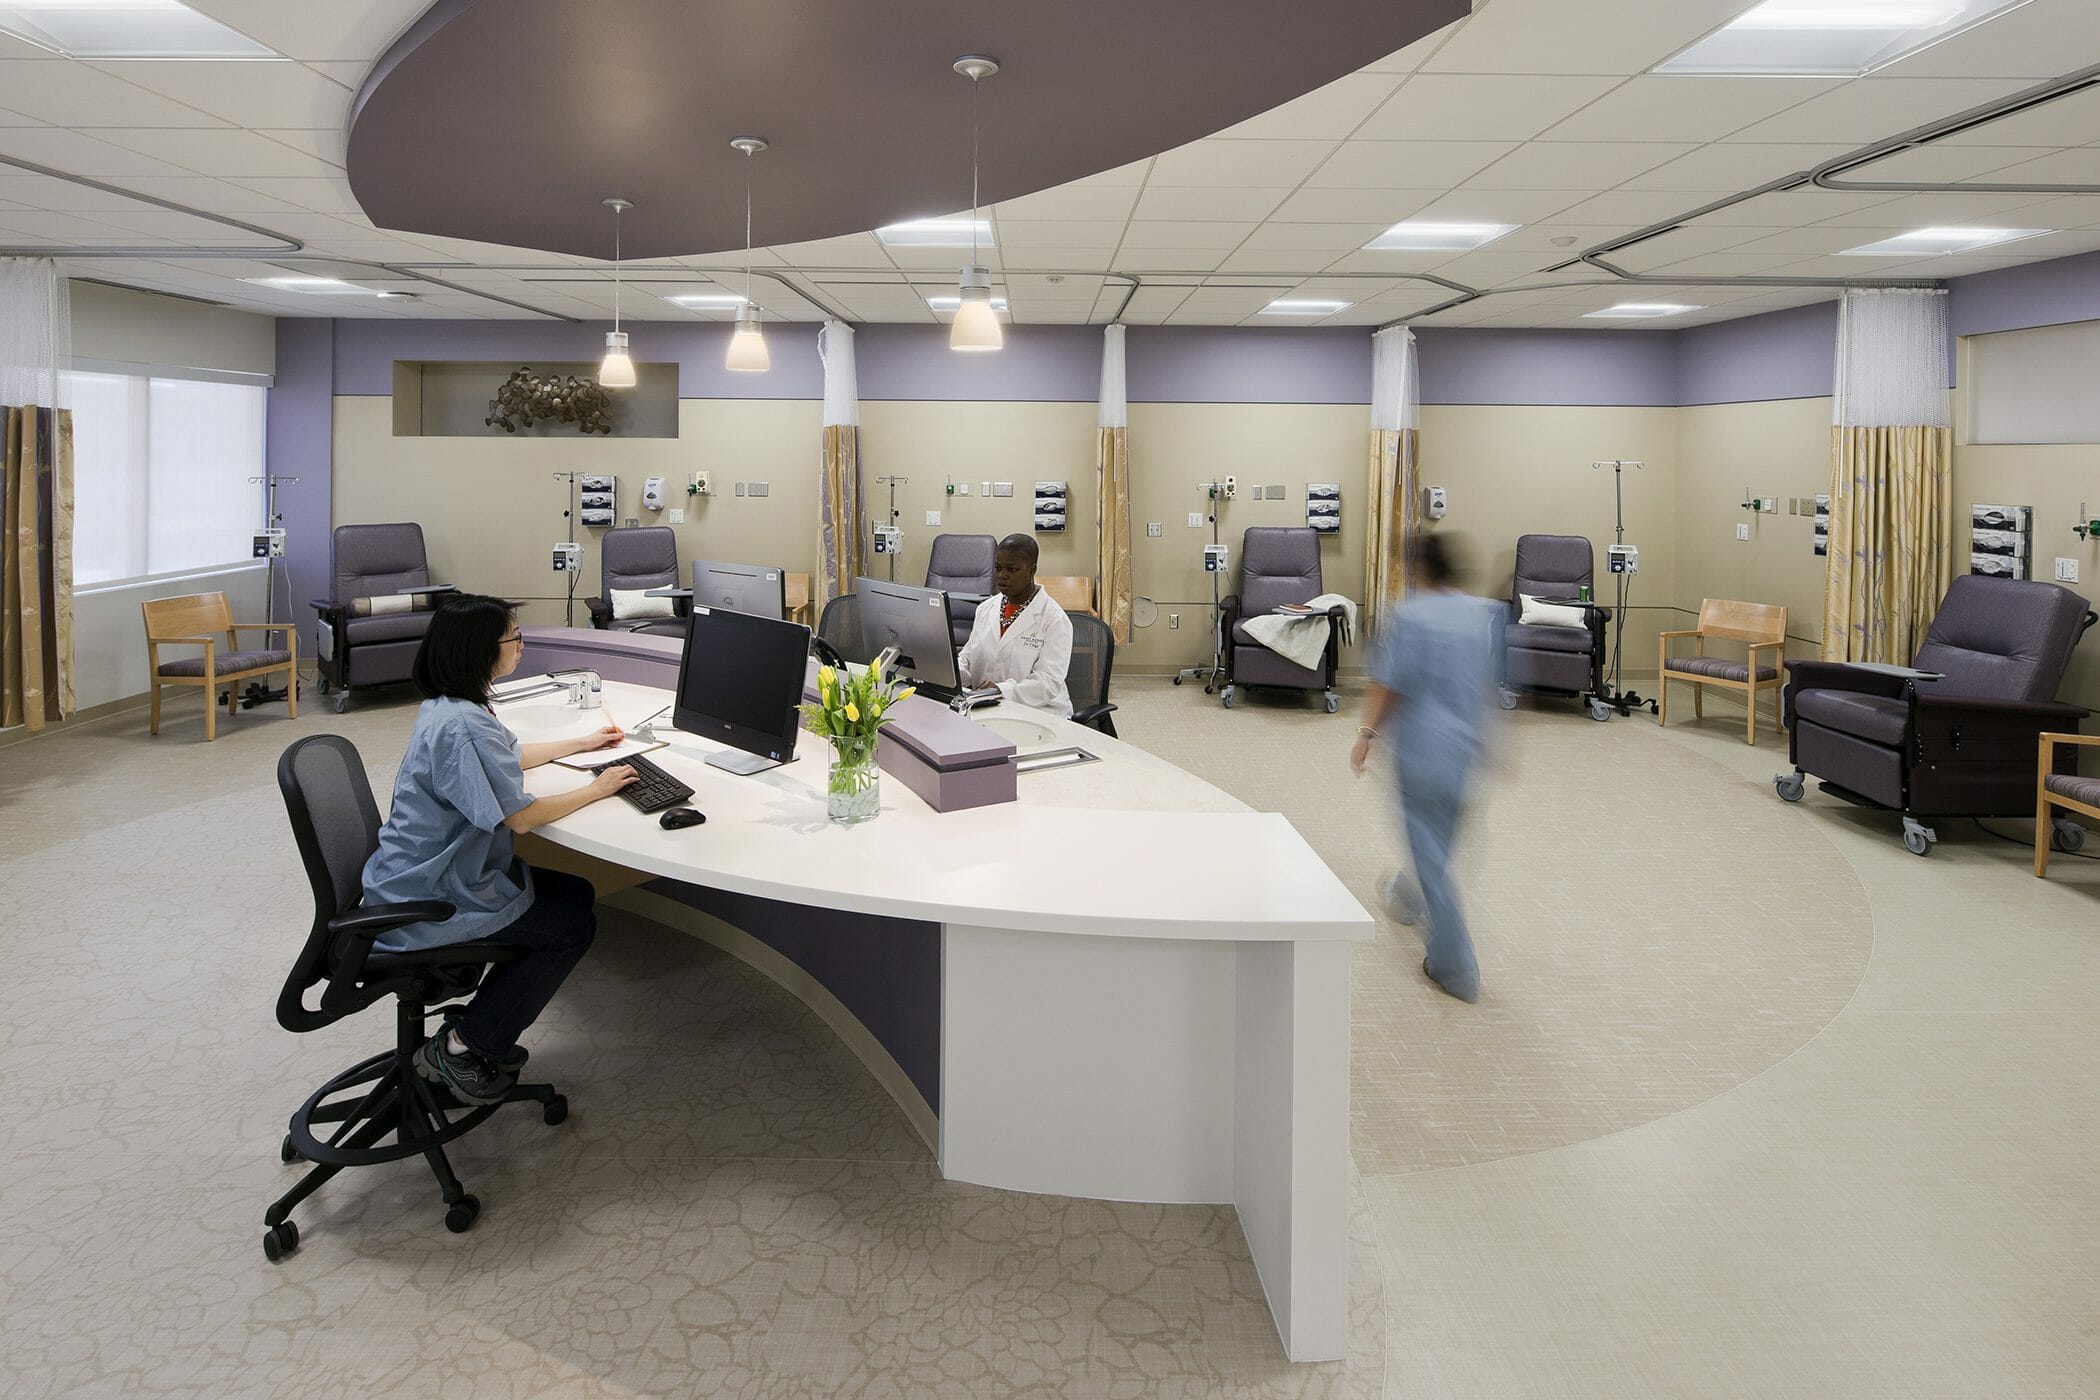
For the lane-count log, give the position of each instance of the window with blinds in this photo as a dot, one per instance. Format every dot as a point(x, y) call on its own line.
point(2035, 385)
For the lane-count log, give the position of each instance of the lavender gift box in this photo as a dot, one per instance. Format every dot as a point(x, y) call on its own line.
point(951, 761)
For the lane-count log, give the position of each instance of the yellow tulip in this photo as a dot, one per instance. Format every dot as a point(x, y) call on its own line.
point(875, 668)
point(852, 712)
point(905, 694)
point(827, 677)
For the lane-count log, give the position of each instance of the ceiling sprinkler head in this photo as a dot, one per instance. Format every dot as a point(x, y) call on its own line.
point(1566, 240)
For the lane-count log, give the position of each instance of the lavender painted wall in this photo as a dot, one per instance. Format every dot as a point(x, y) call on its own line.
point(1055, 364)
point(300, 441)
point(1790, 354)
point(2033, 294)
point(1230, 364)
point(1474, 365)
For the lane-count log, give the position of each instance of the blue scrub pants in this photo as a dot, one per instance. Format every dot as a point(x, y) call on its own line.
point(556, 930)
point(1433, 797)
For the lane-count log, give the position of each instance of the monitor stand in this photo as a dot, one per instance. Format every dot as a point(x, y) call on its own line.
point(741, 763)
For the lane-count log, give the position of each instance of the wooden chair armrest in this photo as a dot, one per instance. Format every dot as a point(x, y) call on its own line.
point(2050, 741)
point(1685, 632)
point(1765, 646)
point(184, 641)
point(262, 626)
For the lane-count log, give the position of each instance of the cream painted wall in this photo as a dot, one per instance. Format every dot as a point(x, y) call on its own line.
point(1779, 448)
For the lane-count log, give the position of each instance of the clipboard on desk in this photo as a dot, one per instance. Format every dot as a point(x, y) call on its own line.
point(591, 759)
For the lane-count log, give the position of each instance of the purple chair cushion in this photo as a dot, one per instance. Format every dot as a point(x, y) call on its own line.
point(1876, 718)
point(226, 661)
point(1539, 637)
point(637, 556)
point(388, 627)
point(1278, 564)
point(1551, 566)
point(2002, 638)
point(375, 559)
point(961, 563)
point(2086, 790)
point(1719, 668)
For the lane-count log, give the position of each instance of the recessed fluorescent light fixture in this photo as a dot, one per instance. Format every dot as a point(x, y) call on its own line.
point(953, 302)
point(1839, 37)
point(1928, 242)
point(317, 286)
point(116, 29)
point(707, 301)
point(1640, 311)
point(1304, 306)
point(1423, 236)
point(937, 233)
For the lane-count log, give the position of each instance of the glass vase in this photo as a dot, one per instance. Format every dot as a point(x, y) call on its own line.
point(854, 793)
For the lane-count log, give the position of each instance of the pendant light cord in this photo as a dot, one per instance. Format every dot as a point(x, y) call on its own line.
point(616, 269)
point(747, 231)
point(973, 171)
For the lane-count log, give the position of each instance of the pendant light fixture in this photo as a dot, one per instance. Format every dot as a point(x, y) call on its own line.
point(976, 324)
point(616, 371)
point(747, 348)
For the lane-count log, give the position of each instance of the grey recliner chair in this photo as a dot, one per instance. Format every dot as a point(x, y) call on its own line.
point(962, 566)
point(1548, 660)
point(370, 630)
point(638, 556)
point(1278, 565)
point(1956, 735)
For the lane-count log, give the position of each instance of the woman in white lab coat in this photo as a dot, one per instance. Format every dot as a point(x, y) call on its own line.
point(1021, 641)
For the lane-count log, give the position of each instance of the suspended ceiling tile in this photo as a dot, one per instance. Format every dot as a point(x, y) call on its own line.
point(1276, 260)
point(1488, 265)
point(1914, 211)
point(1451, 107)
point(186, 229)
point(1134, 173)
point(1325, 114)
point(1031, 284)
point(1727, 264)
point(246, 94)
point(1390, 263)
point(1271, 164)
point(758, 257)
point(1238, 204)
point(1685, 108)
point(351, 74)
point(2072, 167)
point(72, 94)
point(218, 196)
point(82, 154)
point(948, 259)
point(1172, 233)
point(855, 250)
point(1638, 208)
point(2064, 121)
point(1332, 239)
point(1699, 238)
point(1383, 207)
point(1868, 109)
point(329, 195)
point(1792, 208)
point(324, 145)
point(58, 196)
point(1361, 315)
point(1498, 206)
point(1574, 165)
point(1380, 165)
point(361, 30)
point(1942, 162)
point(1727, 168)
point(1149, 300)
point(1060, 233)
point(2067, 211)
point(52, 228)
point(224, 151)
point(2030, 42)
point(1077, 316)
point(1596, 36)
point(1407, 60)
point(1168, 259)
point(1061, 259)
point(1111, 203)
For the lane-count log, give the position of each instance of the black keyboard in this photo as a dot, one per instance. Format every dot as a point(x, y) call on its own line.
point(652, 790)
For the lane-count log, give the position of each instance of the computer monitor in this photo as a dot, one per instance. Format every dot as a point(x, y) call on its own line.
point(739, 683)
point(758, 589)
point(915, 621)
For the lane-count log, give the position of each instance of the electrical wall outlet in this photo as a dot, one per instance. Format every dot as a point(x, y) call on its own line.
point(2067, 571)
point(1742, 532)
point(1276, 493)
point(985, 489)
point(1002, 488)
point(1154, 529)
point(761, 488)
point(1173, 621)
point(933, 517)
point(740, 488)
point(1770, 505)
point(677, 516)
point(1195, 520)
point(702, 485)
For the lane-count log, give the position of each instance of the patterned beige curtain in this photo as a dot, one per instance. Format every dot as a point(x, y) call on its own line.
point(1891, 540)
point(36, 555)
point(1393, 501)
point(1891, 476)
point(1112, 530)
point(841, 520)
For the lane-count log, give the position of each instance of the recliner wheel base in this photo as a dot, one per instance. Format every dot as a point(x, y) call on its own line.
point(1333, 702)
point(1507, 697)
point(1790, 786)
point(1917, 837)
point(1229, 696)
point(342, 701)
point(1599, 710)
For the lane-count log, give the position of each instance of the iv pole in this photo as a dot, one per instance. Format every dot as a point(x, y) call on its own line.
point(569, 618)
point(1216, 667)
point(1624, 701)
point(273, 526)
point(893, 482)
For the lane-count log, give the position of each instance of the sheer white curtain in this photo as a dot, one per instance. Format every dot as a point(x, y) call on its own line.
point(1393, 489)
point(839, 499)
point(36, 331)
point(1891, 476)
point(1113, 583)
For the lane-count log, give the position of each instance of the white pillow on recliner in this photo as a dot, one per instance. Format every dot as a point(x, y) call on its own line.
point(1537, 614)
point(632, 603)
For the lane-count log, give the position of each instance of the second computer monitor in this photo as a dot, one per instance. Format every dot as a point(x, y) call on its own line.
point(739, 683)
point(758, 589)
point(913, 620)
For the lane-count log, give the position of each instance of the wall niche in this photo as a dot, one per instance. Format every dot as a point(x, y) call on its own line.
point(450, 398)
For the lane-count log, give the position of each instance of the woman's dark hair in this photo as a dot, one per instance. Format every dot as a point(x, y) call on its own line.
point(459, 652)
point(1438, 561)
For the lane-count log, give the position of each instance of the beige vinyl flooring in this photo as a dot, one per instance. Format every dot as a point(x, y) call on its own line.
point(1754, 1103)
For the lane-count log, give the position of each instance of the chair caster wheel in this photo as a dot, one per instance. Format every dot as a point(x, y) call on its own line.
point(342, 701)
point(1918, 837)
point(1507, 699)
point(1790, 786)
point(461, 1215)
point(1177, 680)
point(1334, 703)
point(2066, 835)
point(321, 686)
point(280, 1240)
point(1599, 711)
point(556, 1111)
point(285, 1151)
point(1229, 697)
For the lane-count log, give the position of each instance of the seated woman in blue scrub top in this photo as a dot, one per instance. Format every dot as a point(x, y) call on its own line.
point(1021, 641)
point(458, 800)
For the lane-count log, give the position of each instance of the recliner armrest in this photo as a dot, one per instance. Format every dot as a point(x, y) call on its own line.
point(600, 611)
point(2040, 712)
point(369, 921)
point(1837, 675)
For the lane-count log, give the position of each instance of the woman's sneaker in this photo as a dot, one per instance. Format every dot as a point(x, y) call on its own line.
point(511, 1062)
point(472, 1078)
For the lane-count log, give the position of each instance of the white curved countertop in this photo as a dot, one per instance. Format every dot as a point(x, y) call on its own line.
point(1129, 847)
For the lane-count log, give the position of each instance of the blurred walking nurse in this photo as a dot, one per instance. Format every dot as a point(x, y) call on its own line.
point(1432, 688)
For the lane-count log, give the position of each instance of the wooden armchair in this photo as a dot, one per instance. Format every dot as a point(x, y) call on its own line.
point(1762, 626)
point(1072, 592)
point(795, 597)
point(2068, 791)
point(202, 619)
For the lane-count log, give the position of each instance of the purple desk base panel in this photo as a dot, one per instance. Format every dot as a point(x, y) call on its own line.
point(886, 971)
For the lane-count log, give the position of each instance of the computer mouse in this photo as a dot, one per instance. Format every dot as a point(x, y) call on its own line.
point(678, 818)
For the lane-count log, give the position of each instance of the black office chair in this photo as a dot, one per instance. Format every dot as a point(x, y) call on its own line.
point(337, 827)
point(839, 627)
point(1093, 657)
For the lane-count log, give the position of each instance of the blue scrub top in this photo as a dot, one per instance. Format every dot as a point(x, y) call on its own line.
point(445, 837)
point(1438, 655)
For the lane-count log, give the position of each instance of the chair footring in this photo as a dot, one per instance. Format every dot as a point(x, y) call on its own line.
point(392, 1102)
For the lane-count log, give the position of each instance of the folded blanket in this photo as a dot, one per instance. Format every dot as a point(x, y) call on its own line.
point(1301, 638)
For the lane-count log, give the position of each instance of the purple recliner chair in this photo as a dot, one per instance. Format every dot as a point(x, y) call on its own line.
point(1956, 734)
point(961, 566)
point(1278, 565)
point(638, 556)
point(1554, 660)
point(370, 630)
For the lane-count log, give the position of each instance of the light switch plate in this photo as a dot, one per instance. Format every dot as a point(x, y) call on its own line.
point(1195, 520)
point(1154, 529)
point(933, 517)
point(986, 488)
point(677, 516)
point(761, 488)
point(1002, 488)
point(740, 488)
point(1742, 532)
point(1276, 493)
point(2067, 571)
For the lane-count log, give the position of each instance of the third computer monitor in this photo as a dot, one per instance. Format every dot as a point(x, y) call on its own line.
point(758, 589)
point(739, 682)
point(913, 620)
